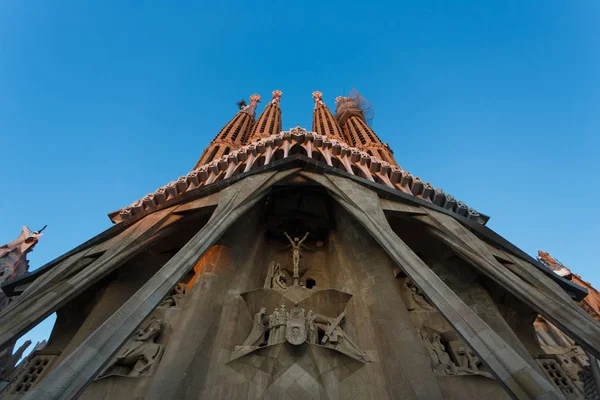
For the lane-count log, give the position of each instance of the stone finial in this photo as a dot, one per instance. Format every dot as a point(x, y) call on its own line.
point(318, 97)
point(338, 99)
point(546, 258)
point(254, 100)
point(276, 96)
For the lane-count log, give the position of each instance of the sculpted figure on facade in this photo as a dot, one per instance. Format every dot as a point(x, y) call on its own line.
point(311, 328)
point(440, 360)
point(336, 338)
point(275, 277)
point(281, 324)
point(468, 360)
point(295, 331)
point(296, 244)
point(175, 298)
point(138, 355)
point(257, 335)
point(272, 328)
point(414, 297)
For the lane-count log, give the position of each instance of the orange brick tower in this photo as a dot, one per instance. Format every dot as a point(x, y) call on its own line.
point(324, 122)
point(358, 134)
point(233, 135)
point(269, 122)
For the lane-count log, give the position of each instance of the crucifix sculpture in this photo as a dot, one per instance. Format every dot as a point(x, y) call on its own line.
point(296, 245)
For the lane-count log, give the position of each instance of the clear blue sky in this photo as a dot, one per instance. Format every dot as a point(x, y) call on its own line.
point(496, 102)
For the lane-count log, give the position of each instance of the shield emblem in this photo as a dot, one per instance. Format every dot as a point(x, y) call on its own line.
point(295, 330)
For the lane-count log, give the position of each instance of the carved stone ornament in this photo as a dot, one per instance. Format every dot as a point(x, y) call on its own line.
point(175, 298)
point(295, 331)
point(138, 355)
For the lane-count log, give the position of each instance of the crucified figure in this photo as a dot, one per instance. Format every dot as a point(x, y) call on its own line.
point(296, 245)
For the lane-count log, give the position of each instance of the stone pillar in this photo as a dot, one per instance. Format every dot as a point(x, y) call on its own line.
point(193, 334)
point(465, 283)
point(404, 361)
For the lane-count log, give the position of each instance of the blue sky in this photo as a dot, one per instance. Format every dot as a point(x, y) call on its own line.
point(495, 102)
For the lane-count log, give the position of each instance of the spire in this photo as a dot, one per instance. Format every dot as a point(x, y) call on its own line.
point(358, 134)
point(269, 122)
point(323, 121)
point(13, 258)
point(232, 136)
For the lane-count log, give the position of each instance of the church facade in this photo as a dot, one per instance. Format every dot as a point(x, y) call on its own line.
point(297, 265)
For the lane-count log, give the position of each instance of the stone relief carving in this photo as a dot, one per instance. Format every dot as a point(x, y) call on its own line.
point(257, 335)
point(311, 328)
point(416, 301)
point(336, 338)
point(295, 330)
point(440, 360)
point(275, 277)
point(139, 354)
point(175, 298)
point(468, 360)
point(297, 327)
point(296, 244)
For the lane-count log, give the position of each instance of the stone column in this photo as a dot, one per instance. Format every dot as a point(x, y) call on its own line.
point(72, 375)
point(405, 363)
point(195, 328)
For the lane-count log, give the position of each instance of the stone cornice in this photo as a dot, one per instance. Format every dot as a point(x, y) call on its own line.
point(334, 153)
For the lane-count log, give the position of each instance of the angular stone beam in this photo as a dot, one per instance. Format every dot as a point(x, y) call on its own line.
point(70, 378)
point(567, 315)
point(514, 373)
point(35, 305)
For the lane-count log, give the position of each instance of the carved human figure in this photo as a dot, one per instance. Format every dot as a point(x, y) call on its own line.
point(440, 360)
point(296, 245)
point(440, 350)
point(275, 277)
point(336, 338)
point(140, 352)
point(340, 341)
point(273, 318)
point(467, 359)
point(257, 334)
point(416, 301)
point(311, 328)
point(281, 324)
point(174, 299)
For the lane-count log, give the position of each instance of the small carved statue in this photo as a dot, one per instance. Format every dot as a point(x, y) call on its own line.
point(467, 359)
point(296, 245)
point(295, 331)
point(440, 360)
point(275, 277)
point(339, 340)
point(281, 324)
point(174, 299)
point(140, 353)
point(273, 326)
point(257, 334)
point(416, 301)
point(311, 328)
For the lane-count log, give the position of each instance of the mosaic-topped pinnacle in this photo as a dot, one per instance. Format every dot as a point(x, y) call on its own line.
point(277, 94)
point(318, 97)
point(254, 100)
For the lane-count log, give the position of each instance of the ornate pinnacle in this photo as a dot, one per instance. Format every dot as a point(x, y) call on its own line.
point(254, 100)
point(546, 258)
point(276, 96)
point(337, 99)
point(318, 96)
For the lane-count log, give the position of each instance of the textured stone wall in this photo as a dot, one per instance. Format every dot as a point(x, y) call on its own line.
point(201, 327)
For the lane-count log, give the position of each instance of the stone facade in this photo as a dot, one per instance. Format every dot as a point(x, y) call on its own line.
point(296, 280)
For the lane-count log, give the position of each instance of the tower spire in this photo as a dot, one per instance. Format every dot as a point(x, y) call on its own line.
point(232, 136)
point(360, 135)
point(269, 122)
point(323, 121)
